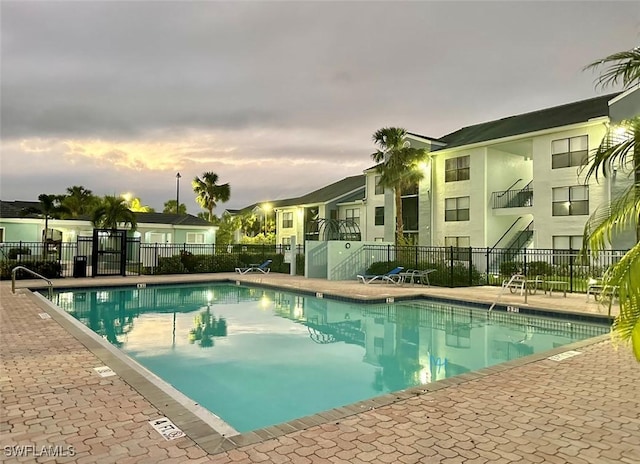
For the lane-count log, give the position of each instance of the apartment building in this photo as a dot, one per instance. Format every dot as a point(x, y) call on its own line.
point(509, 183)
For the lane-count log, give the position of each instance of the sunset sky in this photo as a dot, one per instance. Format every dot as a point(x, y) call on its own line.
point(277, 98)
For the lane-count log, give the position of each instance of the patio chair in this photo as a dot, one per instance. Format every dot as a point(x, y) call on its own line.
point(264, 268)
point(417, 275)
point(393, 276)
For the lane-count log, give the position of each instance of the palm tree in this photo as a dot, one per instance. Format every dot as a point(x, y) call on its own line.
point(209, 193)
point(113, 211)
point(50, 207)
point(398, 166)
point(170, 207)
point(623, 66)
point(79, 201)
point(619, 148)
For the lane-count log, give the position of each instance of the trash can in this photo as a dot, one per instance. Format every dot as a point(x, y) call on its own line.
point(80, 266)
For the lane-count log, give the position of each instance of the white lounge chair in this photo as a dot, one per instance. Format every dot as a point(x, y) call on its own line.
point(264, 268)
point(392, 276)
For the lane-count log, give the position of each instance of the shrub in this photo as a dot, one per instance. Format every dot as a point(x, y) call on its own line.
point(508, 268)
point(539, 268)
point(171, 265)
point(48, 269)
point(14, 252)
point(382, 267)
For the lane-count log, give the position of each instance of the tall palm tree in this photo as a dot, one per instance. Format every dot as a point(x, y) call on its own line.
point(398, 166)
point(112, 212)
point(79, 201)
point(50, 207)
point(209, 193)
point(619, 148)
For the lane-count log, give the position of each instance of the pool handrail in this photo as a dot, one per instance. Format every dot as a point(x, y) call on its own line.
point(22, 268)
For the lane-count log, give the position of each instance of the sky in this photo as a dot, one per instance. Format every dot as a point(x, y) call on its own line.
point(277, 98)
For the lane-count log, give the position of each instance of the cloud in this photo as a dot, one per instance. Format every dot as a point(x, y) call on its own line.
point(280, 95)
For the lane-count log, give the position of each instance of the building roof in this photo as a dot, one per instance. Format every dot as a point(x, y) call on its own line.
point(16, 209)
point(327, 193)
point(426, 137)
point(557, 116)
point(334, 191)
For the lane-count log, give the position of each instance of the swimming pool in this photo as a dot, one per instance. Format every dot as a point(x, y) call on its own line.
point(257, 357)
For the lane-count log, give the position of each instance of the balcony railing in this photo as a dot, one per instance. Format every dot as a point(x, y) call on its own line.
point(513, 198)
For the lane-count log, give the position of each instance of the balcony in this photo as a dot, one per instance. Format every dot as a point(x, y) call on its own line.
point(513, 198)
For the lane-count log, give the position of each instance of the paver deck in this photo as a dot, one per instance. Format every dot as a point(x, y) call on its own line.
point(584, 409)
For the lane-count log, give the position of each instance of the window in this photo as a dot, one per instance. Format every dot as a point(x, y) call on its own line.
point(565, 248)
point(379, 216)
point(567, 242)
point(1, 234)
point(286, 241)
point(573, 151)
point(379, 188)
point(287, 220)
point(456, 209)
point(571, 201)
point(154, 237)
point(460, 247)
point(353, 216)
point(457, 242)
point(195, 237)
point(456, 169)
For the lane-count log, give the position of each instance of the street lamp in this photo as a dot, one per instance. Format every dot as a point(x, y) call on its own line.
point(178, 176)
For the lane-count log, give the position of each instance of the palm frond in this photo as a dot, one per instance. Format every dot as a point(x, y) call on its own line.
point(625, 275)
point(622, 67)
point(617, 149)
point(617, 216)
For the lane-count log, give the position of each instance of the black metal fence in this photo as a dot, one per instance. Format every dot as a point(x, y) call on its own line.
point(73, 259)
point(454, 267)
point(464, 267)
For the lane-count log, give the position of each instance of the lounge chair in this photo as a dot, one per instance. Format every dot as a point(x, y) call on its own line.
point(264, 268)
point(392, 276)
point(413, 276)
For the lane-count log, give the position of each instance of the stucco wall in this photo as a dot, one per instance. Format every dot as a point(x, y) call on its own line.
point(546, 179)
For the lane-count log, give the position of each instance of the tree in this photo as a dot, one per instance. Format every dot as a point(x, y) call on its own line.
point(227, 227)
point(79, 201)
point(170, 207)
point(50, 207)
point(135, 204)
point(205, 217)
point(112, 212)
point(209, 193)
point(398, 166)
point(619, 148)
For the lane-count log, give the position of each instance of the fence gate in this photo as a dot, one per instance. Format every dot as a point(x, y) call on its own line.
point(109, 254)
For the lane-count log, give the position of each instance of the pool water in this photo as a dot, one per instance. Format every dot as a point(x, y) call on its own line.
point(257, 357)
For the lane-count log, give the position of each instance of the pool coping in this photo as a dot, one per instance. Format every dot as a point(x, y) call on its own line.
point(197, 422)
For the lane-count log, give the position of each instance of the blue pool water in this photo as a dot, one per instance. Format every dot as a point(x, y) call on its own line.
point(257, 357)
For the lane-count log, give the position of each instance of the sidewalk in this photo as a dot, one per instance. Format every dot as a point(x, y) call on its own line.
point(583, 409)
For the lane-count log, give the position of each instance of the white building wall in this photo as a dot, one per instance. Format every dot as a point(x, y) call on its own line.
point(503, 170)
point(370, 231)
point(298, 224)
point(545, 179)
point(473, 188)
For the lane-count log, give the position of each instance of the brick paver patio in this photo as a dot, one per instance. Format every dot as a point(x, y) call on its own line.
point(585, 409)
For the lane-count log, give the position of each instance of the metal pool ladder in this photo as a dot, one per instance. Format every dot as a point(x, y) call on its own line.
point(507, 285)
point(22, 268)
